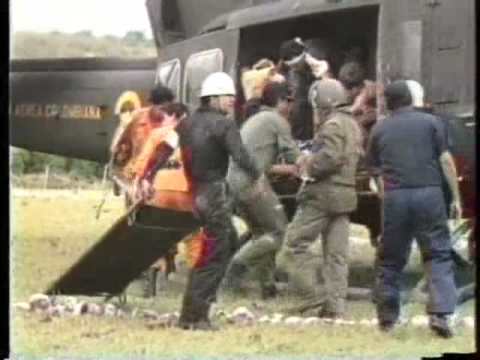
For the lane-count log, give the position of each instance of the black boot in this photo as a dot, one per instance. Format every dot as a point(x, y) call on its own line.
point(269, 291)
point(195, 317)
point(439, 324)
point(149, 278)
point(233, 279)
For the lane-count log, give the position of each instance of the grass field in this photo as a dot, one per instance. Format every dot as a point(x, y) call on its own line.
point(51, 229)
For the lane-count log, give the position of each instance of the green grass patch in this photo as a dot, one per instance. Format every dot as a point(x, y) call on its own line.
point(51, 233)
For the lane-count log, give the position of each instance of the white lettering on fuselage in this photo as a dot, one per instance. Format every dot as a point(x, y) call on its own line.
point(61, 111)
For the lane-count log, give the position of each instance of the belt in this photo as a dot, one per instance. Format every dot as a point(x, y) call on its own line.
point(316, 181)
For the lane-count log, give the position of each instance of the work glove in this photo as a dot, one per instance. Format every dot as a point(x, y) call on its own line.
point(142, 189)
point(318, 67)
point(290, 170)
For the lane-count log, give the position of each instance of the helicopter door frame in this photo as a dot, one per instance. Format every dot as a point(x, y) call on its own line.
point(172, 78)
point(211, 57)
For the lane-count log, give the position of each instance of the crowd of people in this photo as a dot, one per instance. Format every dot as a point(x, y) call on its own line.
point(348, 121)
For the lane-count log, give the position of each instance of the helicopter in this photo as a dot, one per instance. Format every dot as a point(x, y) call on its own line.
point(74, 107)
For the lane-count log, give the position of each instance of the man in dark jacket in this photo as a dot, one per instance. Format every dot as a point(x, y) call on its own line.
point(408, 153)
point(207, 139)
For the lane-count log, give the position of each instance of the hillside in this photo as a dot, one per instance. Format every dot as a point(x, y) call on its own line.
point(32, 45)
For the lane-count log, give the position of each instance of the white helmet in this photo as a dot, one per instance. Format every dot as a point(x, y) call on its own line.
point(416, 92)
point(217, 84)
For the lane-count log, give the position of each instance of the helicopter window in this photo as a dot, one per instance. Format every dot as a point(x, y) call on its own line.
point(168, 74)
point(197, 68)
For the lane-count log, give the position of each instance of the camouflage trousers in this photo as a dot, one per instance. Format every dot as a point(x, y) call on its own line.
point(301, 264)
point(267, 221)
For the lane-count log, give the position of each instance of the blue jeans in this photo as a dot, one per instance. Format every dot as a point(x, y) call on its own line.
point(418, 213)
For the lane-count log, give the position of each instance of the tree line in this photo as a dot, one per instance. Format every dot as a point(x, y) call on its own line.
point(32, 45)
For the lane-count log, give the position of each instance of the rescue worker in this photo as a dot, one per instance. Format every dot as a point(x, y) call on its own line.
point(363, 95)
point(207, 139)
point(132, 145)
point(267, 136)
point(417, 93)
point(408, 154)
point(325, 199)
point(130, 139)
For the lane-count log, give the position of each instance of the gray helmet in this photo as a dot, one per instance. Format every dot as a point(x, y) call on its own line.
point(327, 94)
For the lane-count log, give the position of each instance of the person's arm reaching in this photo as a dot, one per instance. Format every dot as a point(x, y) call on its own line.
point(286, 145)
point(450, 172)
point(448, 168)
point(143, 181)
point(238, 152)
point(330, 157)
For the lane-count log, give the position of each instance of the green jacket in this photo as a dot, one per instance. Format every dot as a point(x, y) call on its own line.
point(334, 165)
point(266, 135)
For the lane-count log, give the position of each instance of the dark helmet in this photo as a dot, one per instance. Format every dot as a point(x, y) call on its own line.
point(273, 92)
point(397, 95)
point(161, 94)
point(291, 49)
point(351, 74)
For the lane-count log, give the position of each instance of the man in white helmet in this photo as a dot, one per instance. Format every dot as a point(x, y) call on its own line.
point(325, 200)
point(207, 139)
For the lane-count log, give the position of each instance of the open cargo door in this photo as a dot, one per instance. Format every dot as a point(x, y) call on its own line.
point(124, 252)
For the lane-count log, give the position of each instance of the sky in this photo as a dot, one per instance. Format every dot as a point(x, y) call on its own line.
point(102, 17)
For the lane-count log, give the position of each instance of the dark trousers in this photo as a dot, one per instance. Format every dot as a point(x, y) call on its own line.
point(418, 213)
point(214, 211)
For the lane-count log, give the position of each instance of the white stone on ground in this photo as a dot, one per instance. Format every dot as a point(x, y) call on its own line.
point(150, 315)
point(293, 320)
point(57, 310)
point(120, 313)
point(278, 316)
point(241, 315)
point(265, 319)
point(70, 302)
point(39, 301)
point(242, 311)
point(22, 306)
point(220, 313)
point(419, 321)
point(80, 308)
point(310, 321)
point(468, 321)
point(94, 309)
point(275, 321)
point(110, 310)
point(162, 321)
point(364, 322)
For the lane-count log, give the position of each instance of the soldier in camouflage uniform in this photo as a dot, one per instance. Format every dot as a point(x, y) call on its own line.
point(325, 200)
point(266, 136)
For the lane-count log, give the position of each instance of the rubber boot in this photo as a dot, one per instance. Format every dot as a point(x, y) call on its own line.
point(234, 277)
